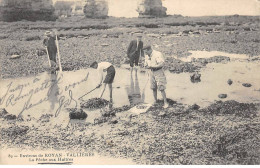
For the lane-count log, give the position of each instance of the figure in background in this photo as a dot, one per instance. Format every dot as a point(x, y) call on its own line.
point(50, 44)
point(135, 51)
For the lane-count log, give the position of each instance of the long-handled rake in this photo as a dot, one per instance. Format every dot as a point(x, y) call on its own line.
point(87, 93)
point(58, 51)
point(148, 78)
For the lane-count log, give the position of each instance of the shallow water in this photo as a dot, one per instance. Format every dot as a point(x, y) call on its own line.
point(208, 54)
point(126, 89)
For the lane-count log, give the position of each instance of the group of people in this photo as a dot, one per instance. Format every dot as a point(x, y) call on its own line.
point(153, 62)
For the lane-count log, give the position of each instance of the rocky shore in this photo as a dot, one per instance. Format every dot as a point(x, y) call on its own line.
point(82, 41)
point(182, 135)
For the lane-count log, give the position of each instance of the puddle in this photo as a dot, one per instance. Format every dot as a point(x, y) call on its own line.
point(209, 54)
point(51, 94)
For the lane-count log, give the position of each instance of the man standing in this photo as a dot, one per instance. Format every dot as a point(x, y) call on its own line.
point(49, 43)
point(105, 67)
point(154, 60)
point(135, 51)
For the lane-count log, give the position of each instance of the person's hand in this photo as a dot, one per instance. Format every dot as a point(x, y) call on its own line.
point(98, 86)
point(148, 67)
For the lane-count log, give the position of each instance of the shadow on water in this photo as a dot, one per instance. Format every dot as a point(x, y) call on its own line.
point(53, 91)
point(133, 91)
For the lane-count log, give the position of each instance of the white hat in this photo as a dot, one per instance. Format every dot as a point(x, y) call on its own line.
point(48, 33)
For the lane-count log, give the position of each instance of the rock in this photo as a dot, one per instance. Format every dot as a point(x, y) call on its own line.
point(105, 36)
point(14, 51)
point(10, 117)
point(151, 8)
point(154, 35)
point(110, 142)
point(195, 77)
point(104, 45)
point(246, 84)
point(45, 118)
point(113, 122)
point(222, 96)
point(77, 114)
point(14, 56)
point(3, 112)
point(32, 10)
point(194, 107)
point(196, 32)
point(41, 52)
point(230, 82)
point(96, 9)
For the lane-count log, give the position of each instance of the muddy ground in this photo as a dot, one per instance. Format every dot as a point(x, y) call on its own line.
point(222, 133)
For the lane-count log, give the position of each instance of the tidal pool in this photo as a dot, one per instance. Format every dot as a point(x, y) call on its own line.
point(52, 94)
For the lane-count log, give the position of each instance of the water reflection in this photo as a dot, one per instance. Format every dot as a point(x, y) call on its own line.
point(133, 91)
point(53, 91)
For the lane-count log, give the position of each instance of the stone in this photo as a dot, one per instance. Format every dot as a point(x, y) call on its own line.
point(78, 114)
point(162, 114)
point(41, 52)
point(113, 122)
point(10, 117)
point(230, 82)
point(104, 45)
point(222, 96)
point(96, 9)
point(32, 10)
point(246, 84)
point(3, 112)
point(14, 56)
point(151, 8)
point(195, 77)
point(195, 107)
point(154, 35)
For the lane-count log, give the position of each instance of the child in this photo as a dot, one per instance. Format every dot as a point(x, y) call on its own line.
point(105, 67)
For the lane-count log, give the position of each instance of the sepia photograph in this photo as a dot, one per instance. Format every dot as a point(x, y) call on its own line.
point(130, 82)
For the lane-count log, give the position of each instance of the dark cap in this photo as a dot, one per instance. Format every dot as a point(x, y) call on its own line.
point(148, 47)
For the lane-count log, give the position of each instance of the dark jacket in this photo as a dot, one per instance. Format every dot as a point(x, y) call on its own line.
point(50, 43)
point(134, 50)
